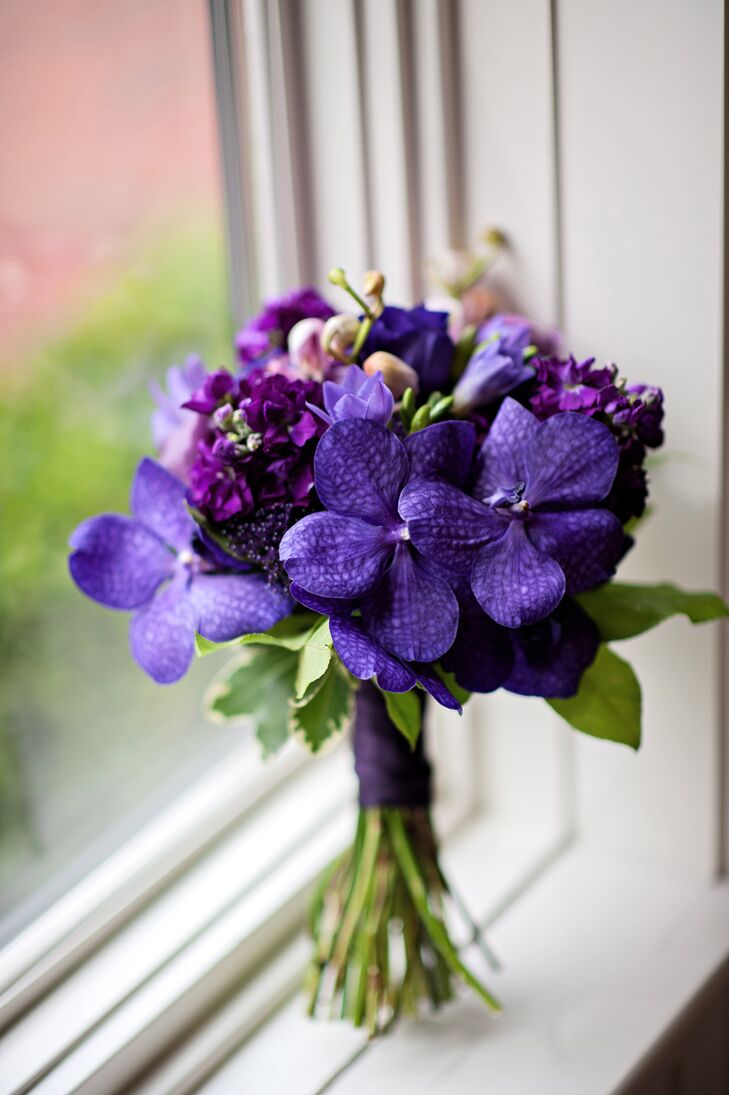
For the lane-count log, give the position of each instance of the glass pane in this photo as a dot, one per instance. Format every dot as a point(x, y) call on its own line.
point(111, 269)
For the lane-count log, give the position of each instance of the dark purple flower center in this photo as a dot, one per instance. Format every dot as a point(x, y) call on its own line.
point(510, 501)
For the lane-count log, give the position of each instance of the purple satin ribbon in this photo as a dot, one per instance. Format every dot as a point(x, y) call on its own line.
point(390, 772)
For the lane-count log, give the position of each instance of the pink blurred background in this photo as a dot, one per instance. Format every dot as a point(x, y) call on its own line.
point(107, 132)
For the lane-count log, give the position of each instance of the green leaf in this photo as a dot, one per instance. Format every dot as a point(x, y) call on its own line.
point(203, 647)
point(621, 610)
point(290, 633)
point(256, 685)
point(406, 712)
point(327, 712)
point(464, 349)
point(608, 703)
point(449, 680)
point(314, 657)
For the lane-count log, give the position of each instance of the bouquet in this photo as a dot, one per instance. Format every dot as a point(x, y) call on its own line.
point(387, 508)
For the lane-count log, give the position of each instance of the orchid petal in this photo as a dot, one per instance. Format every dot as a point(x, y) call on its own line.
point(570, 459)
point(551, 656)
point(446, 525)
point(335, 556)
point(229, 605)
point(442, 451)
point(481, 656)
point(586, 544)
point(158, 501)
point(500, 462)
point(514, 582)
point(412, 613)
point(326, 606)
point(363, 656)
point(162, 634)
point(436, 688)
point(117, 561)
point(359, 470)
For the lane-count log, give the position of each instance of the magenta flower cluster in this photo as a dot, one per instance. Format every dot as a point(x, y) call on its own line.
point(259, 449)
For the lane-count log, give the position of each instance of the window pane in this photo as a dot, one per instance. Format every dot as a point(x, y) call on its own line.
point(111, 269)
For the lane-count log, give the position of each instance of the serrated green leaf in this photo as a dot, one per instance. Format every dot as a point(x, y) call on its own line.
point(291, 633)
point(314, 657)
point(256, 685)
point(608, 703)
point(449, 680)
point(406, 712)
point(327, 713)
point(203, 647)
point(622, 610)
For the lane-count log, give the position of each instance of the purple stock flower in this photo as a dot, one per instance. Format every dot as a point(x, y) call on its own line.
point(420, 338)
point(175, 429)
point(648, 422)
point(271, 327)
point(260, 447)
point(360, 549)
point(147, 563)
point(493, 371)
point(532, 530)
point(365, 657)
point(356, 396)
point(571, 385)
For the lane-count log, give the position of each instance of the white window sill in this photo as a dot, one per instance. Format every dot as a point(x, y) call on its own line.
point(600, 958)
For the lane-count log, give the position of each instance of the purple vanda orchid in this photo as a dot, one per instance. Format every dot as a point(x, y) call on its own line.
point(365, 658)
point(147, 564)
point(361, 547)
point(356, 396)
point(544, 659)
point(533, 529)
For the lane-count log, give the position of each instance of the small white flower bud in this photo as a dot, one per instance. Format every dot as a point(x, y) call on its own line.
point(397, 374)
point(338, 334)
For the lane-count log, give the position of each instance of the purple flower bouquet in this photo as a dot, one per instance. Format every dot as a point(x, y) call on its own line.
point(383, 515)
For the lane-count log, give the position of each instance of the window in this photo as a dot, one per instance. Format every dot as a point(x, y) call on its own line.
point(353, 134)
point(112, 268)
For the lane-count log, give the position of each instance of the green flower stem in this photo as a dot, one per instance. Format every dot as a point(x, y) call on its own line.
point(438, 931)
point(382, 945)
point(361, 337)
point(338, 277)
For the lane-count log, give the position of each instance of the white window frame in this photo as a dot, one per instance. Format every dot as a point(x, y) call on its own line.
point(517, 791)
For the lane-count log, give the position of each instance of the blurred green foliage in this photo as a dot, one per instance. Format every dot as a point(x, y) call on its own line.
point(74, 422)
point(74, 427)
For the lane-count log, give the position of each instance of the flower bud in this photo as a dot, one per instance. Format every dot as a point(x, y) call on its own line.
point(305, 349)
point(338, 334)
point(397, 374)
point(494, 237)
point(374, 283)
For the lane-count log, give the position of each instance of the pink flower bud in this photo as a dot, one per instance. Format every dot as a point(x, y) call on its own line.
point(396, 373)
point(305, 348)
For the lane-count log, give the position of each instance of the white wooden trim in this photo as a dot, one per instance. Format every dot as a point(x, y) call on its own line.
point(600, 956)
point(58, 940)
